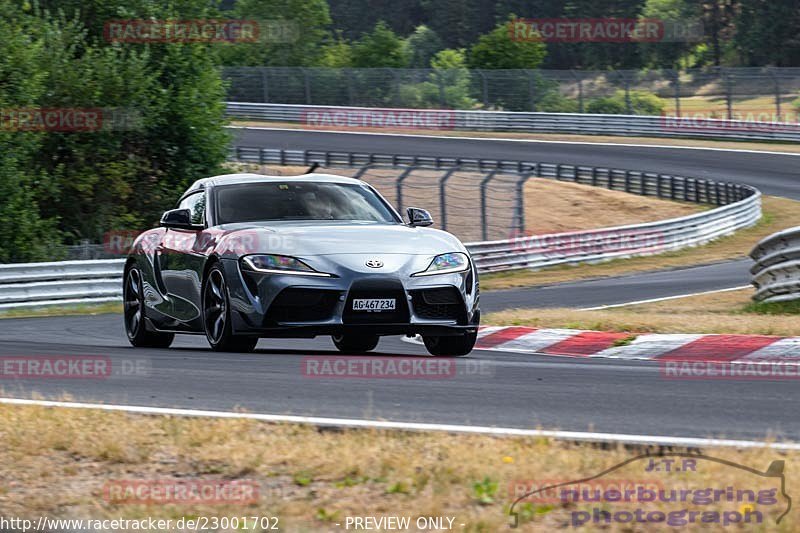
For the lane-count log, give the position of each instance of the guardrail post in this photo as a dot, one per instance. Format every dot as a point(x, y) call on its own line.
point(484, 224)
point(399, 187)
point(443, 195)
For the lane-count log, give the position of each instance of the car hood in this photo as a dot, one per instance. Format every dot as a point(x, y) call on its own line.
point(310, 239)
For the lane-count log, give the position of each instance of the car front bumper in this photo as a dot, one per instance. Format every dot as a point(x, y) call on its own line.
point(286, 305)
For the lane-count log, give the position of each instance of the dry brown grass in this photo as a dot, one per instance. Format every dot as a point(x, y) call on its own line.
point(55, 462)
point(779, 214)
point(701, 143)
point(724, 312)
point(554, 206)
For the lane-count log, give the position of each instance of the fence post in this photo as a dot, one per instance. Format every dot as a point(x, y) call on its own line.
point(677, 93)
point(520, 200)
point(628, 104)
point(307, 84)
point(399, 186)
point(484, 89)
point(580, 90)
point(728, 93)
point(350, 87)
point(264, 85)
point(532, 89)
point(443, 194)
point(484, 223)
point(777, 84)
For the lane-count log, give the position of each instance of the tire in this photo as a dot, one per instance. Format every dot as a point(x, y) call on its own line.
point(450, 346)
point(134, 314)
point(350, 343)
point(217, 316)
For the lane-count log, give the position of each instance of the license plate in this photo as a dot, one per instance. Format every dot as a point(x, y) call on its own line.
point(374, 304)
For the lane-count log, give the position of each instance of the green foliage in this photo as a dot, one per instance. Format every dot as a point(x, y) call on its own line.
point(791, 307)
point(380, 48)
point(337, 53)
point(485, 491)
point(497, 50)
point(423, 45)
point(641, 103)
point(79, 185)
point(293, 33)
point(448, 86)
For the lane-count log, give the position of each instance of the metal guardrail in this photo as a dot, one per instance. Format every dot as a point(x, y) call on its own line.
point(739, 206)
point(24, 285)
point(568, 123)
point(776, 273)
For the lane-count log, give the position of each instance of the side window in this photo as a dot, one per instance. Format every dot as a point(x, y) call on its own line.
point(196, 204)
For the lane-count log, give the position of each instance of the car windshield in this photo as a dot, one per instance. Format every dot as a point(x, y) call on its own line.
point(286, 201)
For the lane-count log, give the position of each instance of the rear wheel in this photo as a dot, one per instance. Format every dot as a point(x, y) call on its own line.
point(133, 312)
point(217, 316)
point(450, 346)
point(351, 343)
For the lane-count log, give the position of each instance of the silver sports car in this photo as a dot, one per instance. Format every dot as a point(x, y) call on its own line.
point(246, 256)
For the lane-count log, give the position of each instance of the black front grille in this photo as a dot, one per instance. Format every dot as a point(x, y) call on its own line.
point(302, 305)
point(443, 303)
point(381, 289)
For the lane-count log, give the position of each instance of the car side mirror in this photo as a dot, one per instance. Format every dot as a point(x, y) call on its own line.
point(178, 219)
point(418, 217)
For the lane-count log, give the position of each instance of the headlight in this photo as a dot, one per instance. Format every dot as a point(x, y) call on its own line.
point(280, 264)
point(446, 264)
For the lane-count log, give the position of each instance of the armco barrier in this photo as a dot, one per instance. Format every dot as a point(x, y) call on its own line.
point(25, 285)
point(776, 273)
point(41, 284)
point(568, 123)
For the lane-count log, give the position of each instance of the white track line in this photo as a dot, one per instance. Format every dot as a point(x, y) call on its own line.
point(506, 139)
point(665, 298)
point(411, 426)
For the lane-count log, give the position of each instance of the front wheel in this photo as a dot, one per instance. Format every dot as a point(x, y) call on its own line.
point(355, 343)
point(133, 313)
point(217, 316)
point(450, 346)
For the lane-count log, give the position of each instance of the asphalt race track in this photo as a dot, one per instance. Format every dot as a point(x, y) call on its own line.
point(772, 173)
point(489, 388)
point(623, 289)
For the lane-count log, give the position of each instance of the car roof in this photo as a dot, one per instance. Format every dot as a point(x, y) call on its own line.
point(235, 179)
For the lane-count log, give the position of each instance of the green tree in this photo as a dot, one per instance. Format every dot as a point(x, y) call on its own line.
point(380, 48)
point(768, 32)
point(24, 234)
point(497, 50)
point(423, 44)
point(293, 33)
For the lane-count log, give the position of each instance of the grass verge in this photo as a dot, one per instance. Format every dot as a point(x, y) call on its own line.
point(64, 463)
point(779, 214)
point(723, 312)
point(63, 310)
